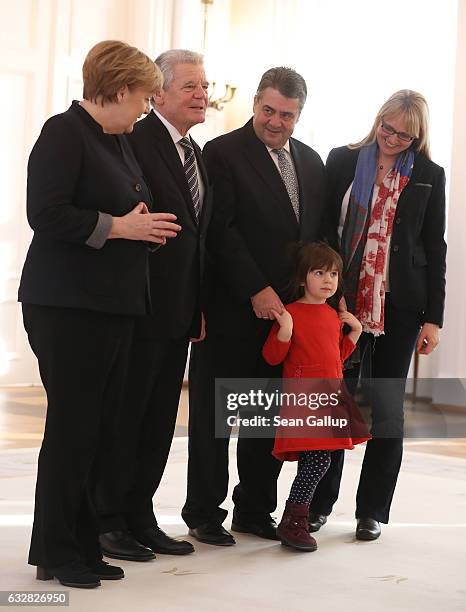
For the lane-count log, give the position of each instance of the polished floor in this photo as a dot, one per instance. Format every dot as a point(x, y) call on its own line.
point(417, 564)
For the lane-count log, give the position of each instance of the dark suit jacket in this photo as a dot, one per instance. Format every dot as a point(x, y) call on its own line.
point(253, 224)
point(74, 171)
point(417, 250)
point(176, 269)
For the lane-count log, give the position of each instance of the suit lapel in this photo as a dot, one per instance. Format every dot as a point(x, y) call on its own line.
point(205, 204)
point(163, 142)
point(259, 158)
point(304, 177)
point(414, 178)
point(301, 177)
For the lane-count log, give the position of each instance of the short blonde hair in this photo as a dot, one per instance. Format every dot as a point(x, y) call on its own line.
point(112, 64)
point(414, 107)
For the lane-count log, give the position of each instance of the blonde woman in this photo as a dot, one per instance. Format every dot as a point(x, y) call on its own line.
point(83, 284)
point(386, 214)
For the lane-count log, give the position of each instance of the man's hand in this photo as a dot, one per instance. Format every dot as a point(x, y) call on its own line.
point(428, 339)
point(140, 224)
point(264, 302)
point(202, 334)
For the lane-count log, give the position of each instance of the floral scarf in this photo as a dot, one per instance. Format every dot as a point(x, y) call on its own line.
point(367, 233)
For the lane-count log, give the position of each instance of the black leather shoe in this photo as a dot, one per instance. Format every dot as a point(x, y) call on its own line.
point(212, 533)
point(316, 521)
point(105, 571)
point(367, 529)
point(266, 528)
point(75, 575)
point(122, 545)
point(159, 542)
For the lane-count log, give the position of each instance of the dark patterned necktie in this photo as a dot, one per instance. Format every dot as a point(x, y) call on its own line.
point(191, 174)
point(289, 179)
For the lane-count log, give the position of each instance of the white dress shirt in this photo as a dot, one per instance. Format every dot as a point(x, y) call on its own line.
point(176, 137)
point(274, 157)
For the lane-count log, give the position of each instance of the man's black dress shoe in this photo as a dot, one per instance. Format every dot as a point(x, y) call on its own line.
point(105, 571)
point(122, 545)
point(266, 528)
point(367, 529)
point(159, 542)
point(74, 574)
point(316, 521)
point(212, 533)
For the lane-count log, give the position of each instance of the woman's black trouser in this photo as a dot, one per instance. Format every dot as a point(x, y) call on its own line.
point(385, 361)
point(83, 360)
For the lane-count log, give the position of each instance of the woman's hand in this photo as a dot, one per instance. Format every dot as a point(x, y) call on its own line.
point(140, 224)
point(428, 339)
point(285, 320)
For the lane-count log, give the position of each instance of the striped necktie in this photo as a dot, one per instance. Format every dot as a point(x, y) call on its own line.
point(191, 174)
point(289, 179)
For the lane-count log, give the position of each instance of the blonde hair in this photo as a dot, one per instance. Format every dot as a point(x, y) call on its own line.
point(112, 64)
point(414, 107)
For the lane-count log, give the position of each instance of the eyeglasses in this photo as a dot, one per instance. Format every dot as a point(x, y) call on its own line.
point(391, 132)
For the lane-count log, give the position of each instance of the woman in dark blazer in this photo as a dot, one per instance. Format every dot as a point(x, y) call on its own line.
point(386, 214)
point(83, 284)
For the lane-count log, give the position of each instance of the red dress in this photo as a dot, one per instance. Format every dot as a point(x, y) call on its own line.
point(316, 350)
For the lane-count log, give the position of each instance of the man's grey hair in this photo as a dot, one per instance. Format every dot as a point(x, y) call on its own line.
point(287, 81)
point(167, 60)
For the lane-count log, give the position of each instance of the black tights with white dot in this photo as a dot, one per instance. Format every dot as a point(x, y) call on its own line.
point(312, 465)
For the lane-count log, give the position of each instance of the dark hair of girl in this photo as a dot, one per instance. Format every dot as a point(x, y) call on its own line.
point(309, 256)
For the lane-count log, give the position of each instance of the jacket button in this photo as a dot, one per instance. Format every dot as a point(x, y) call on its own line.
point(138, 187)
point(398, 221)
point(395, 248)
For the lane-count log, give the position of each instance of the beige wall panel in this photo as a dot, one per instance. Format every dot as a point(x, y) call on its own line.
point(94, 20)
point(18, 23)
point(25, 61)
point(42, 47)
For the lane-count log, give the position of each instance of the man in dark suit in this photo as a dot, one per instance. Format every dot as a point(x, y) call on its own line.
point(173, 168)
point(268, 193)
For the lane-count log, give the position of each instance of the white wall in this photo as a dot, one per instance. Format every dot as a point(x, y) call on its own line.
point(43, 44)
point(451, 356)
point(42, 47)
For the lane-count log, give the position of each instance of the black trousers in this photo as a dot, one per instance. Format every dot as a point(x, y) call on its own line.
point(152, 395)
point(387, 356)
point(255, 496)
point(83, 359)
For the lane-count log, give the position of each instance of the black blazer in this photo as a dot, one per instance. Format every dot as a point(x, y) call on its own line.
point(176, 269)
point(74, 171)
point(417, 265)
point(253, 223)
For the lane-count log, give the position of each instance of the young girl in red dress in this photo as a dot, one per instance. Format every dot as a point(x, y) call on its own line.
point(308, 338)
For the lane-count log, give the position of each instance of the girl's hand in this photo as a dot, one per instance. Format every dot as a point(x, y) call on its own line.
point(350, 320)
point(285, 320)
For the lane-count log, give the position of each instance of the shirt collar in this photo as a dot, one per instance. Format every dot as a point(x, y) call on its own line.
point(175, 135)
point(286, 146)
